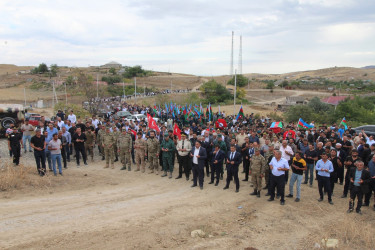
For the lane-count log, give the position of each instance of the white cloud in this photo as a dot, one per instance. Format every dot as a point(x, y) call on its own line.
point(189, 37)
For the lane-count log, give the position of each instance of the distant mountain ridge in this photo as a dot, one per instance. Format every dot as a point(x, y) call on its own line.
point(369, 67)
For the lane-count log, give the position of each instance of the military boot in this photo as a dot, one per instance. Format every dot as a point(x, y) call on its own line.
point(129, 168)
point(258, 194)
point(165, 174)
point(116, 159)
point(254, 193)
point(170, 175)
point(103, 158)
point(123, 168)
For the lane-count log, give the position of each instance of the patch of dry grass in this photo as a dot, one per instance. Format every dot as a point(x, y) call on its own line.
point(18, 177)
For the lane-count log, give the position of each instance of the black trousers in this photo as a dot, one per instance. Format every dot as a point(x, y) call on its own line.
point(371, 190)
point(356, 192)
point(246, 167)
point(40, 159)
point(184, 166)
point(63, 155)
point(232, 172)
point(279, 183)
point(340, 175)
point(347, 182)
point(207, 165)
point(198, 173)
point(215, 170)
point(16, 151)
point(80, 149)
point(325, 182)
point(333, 180)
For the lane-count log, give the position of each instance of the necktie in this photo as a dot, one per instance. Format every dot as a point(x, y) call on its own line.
point(231, 156)
point(183, 144)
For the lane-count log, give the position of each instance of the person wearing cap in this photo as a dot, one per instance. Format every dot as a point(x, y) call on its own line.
point(115, 134)
point(257, 169)
point(140, 152)
point(124, 147)
point(14, 145)
point(183, 149)
point(153, 149)
point(168, 148)
point(27, 130)
point(38, 143)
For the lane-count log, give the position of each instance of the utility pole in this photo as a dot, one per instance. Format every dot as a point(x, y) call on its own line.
point(24, 95)
point(123, 88)
point(97, 86)
point(135, 88)
point(240, 58)
point(231, 57)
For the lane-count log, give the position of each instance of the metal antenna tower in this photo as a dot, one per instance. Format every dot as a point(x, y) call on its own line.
point(240, 58)
point(231, 58)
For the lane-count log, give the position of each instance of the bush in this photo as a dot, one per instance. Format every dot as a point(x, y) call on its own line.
point(214, 92)
point(241, 81)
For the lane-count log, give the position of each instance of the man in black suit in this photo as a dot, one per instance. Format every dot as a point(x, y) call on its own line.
point(218, 156)
point(198, 155)
point(234, 159)
point(359, 185)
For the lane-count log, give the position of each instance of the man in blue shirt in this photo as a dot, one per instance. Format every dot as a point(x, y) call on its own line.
point(51, 131)
point(324, 168)
point(371, 169)
point(278, 166)
point(359, 180)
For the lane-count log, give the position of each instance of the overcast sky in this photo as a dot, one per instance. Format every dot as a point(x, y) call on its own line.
point(189, 36)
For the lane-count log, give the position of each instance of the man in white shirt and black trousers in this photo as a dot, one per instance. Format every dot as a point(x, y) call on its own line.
point(233, 161)
point(278, 166)
point(198, 155)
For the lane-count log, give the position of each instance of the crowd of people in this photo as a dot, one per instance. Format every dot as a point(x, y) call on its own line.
point(274, 159)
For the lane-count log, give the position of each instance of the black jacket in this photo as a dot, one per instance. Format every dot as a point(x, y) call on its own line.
point(365, 177)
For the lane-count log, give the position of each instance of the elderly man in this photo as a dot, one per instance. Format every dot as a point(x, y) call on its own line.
point(278, 167)
point(286, 153)
point(359, 185)
point(183, 149)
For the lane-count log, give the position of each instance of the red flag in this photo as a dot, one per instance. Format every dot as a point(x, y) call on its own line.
point(134, 133)
point(177, 131)
point(221, 124)
point(151, 123)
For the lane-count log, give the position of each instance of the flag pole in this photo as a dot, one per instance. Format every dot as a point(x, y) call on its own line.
point(234, 96)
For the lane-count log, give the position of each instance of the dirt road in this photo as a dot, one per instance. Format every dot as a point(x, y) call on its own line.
point(95, 208)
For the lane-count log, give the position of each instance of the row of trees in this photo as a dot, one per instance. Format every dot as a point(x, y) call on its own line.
point(357, 111)
point(43, 69)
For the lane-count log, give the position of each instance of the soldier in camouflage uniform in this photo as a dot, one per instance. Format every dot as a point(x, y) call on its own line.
point(124, 145)
point(116, 134)
point(140, 146)
point(101, 132)
point(168, 148)
point(108, 140)
point(267, 171)
point(258, 166)
point(89, 143)
point(153, 148)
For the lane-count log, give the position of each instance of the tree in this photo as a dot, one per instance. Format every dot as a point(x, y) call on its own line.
point(85, 85)
point(112, 71)
point(42, 68)
point(131, 72)
point(270, 85)
point(215, 92)
point(318, 106)
point(69, 80)
point(299, 111)
point(240, 93)
point(112, 79)
point(241, 81)
point(54, 70)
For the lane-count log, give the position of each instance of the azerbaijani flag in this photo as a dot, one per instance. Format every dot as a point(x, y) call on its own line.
point(343, 122)
point(302, 124)
point(240, 114)
point(275, 125)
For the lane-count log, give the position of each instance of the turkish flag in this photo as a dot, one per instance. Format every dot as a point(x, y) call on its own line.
point(151, 123)
point(177, 131)
point(221, 124)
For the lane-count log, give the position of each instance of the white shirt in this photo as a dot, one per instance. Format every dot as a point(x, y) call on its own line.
point(282, 163)
point(195, 158)
point(72, 118)
point(284, 154)
point(95, 123)
point(60, 124)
